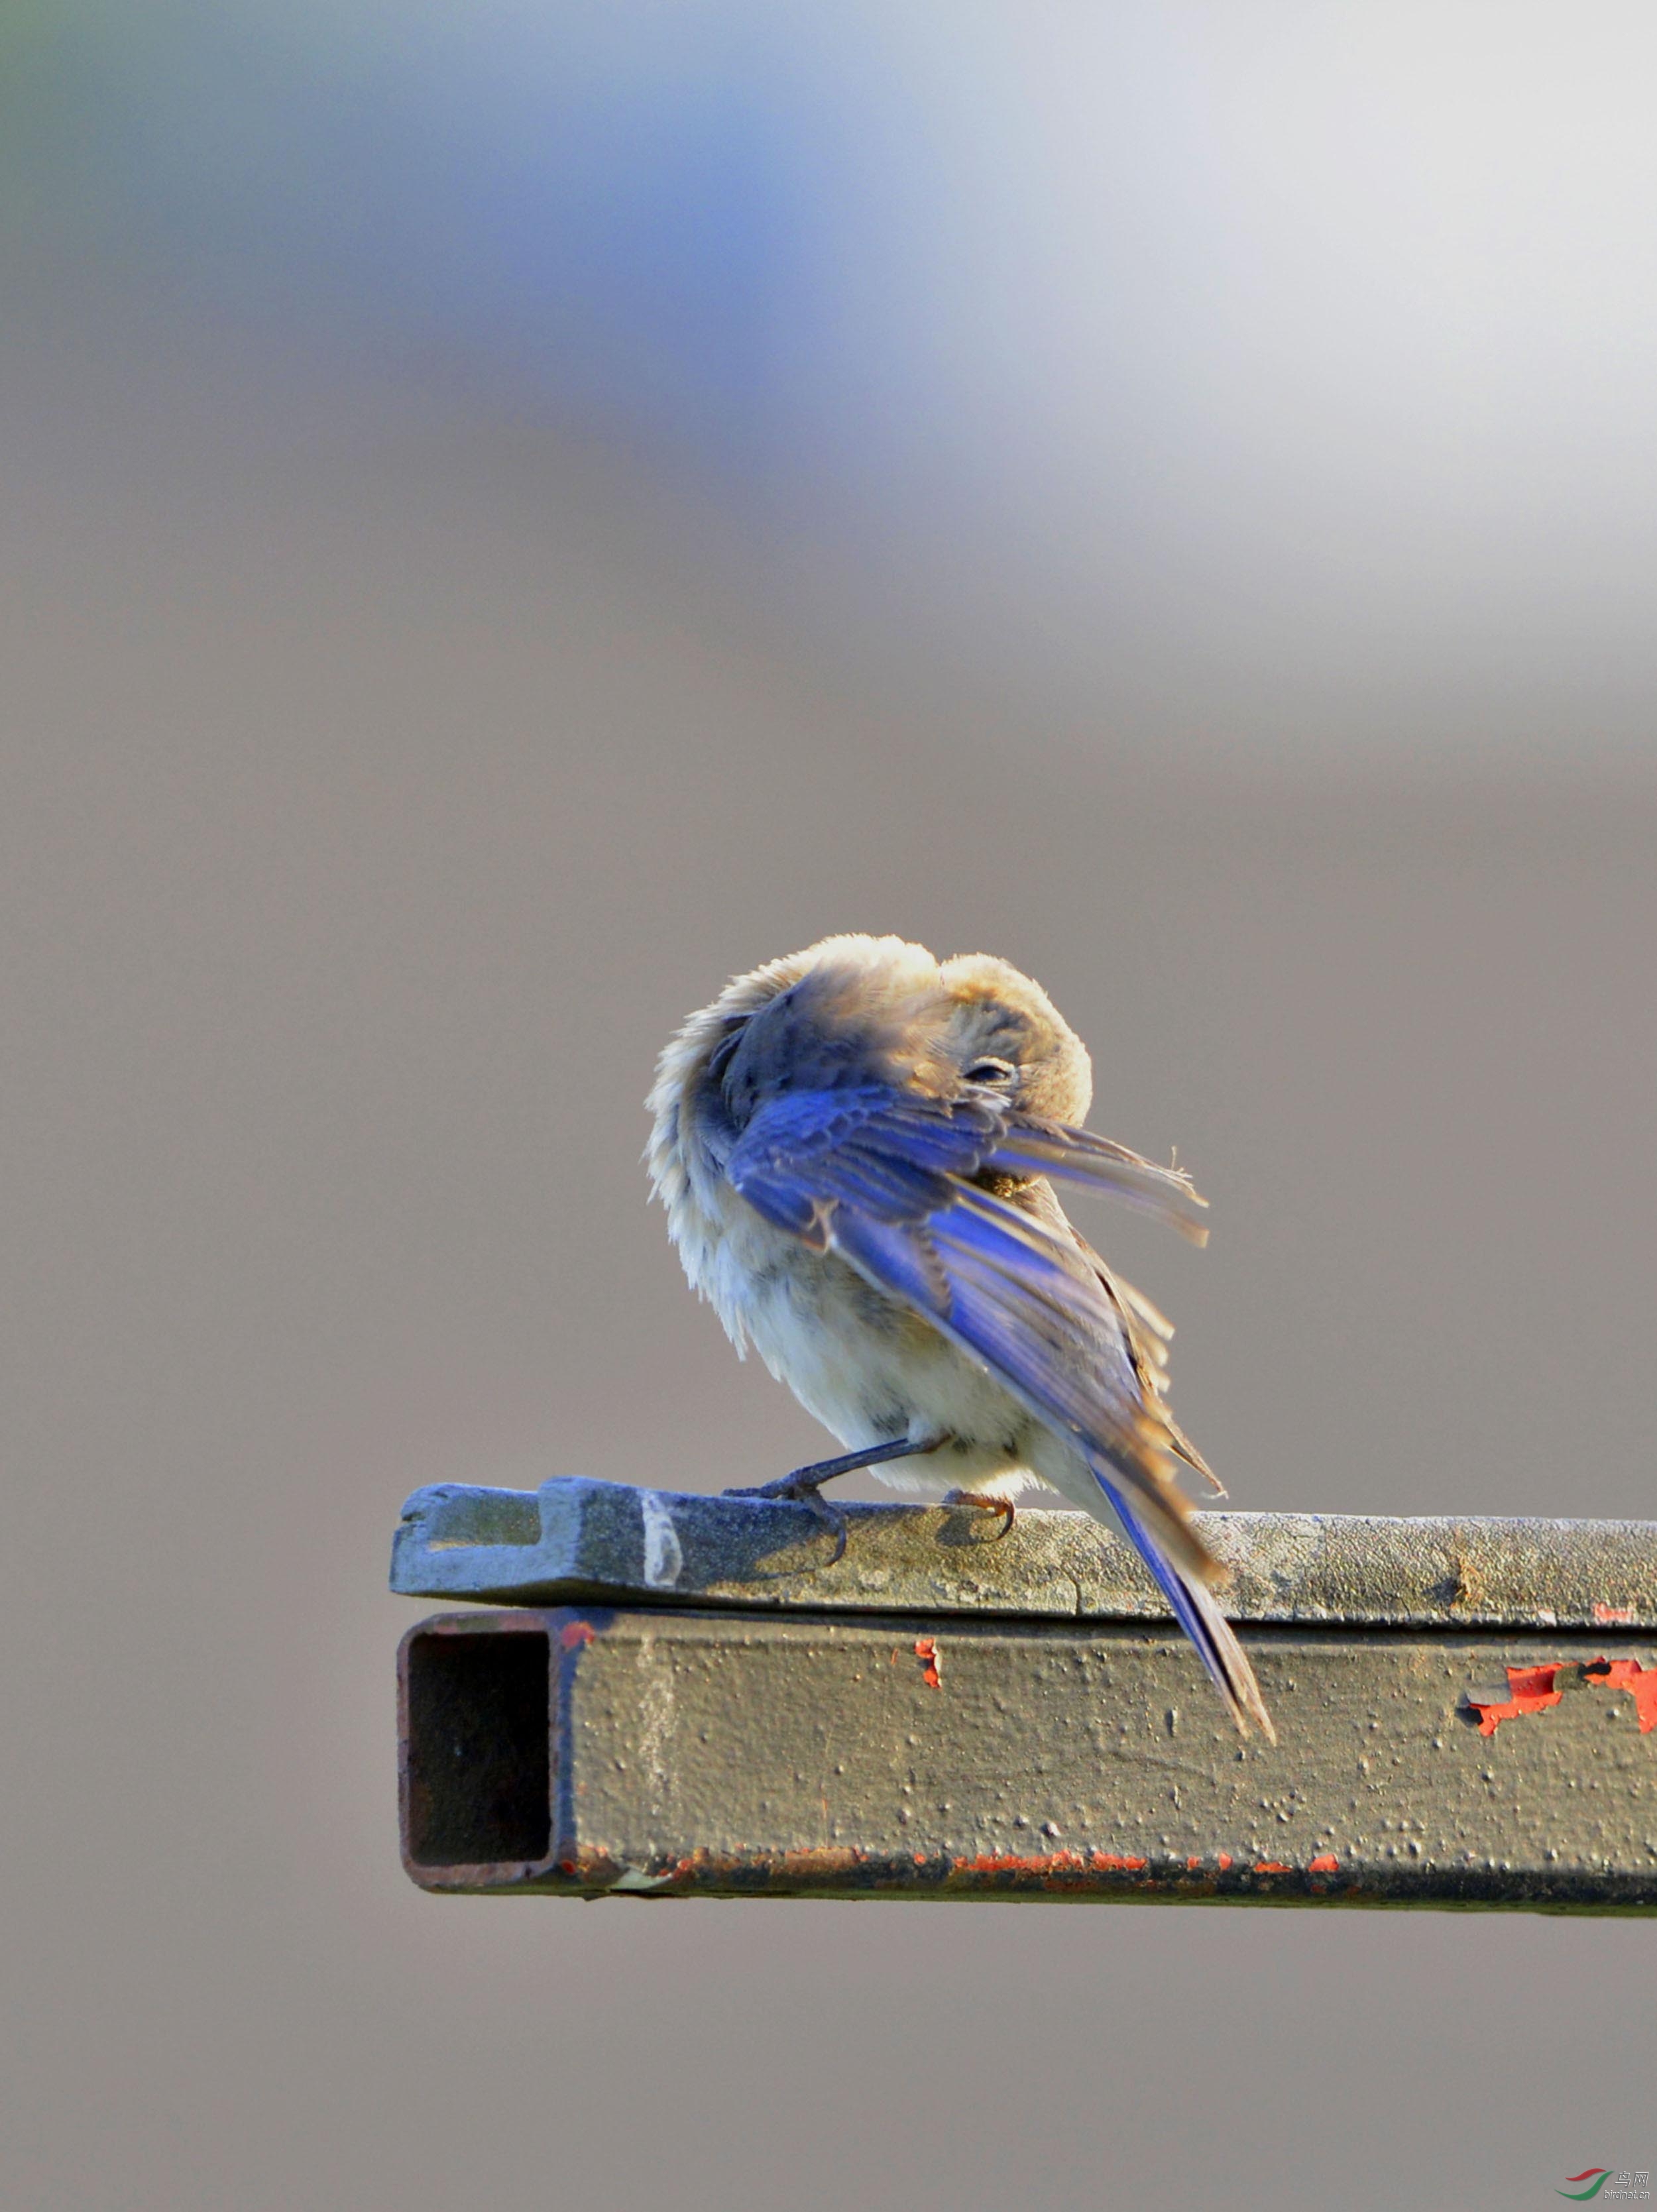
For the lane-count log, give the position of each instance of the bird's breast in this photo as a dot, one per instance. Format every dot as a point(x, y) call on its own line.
point(863, 1363)
point(866, 1365)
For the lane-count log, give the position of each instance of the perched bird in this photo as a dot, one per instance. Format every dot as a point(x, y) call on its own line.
point(857, 1146)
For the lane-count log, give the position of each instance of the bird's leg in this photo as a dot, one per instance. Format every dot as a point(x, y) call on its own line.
point(1004, 1506)
point(805, 1484)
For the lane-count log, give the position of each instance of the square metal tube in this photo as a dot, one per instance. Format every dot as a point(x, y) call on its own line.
point(661, 1748)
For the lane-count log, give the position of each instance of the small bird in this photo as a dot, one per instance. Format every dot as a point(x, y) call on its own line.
point(857, 1147)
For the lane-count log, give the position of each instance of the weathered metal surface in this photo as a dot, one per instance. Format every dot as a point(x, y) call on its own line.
point(660, 1749)
point(1467, 1708)
point(574, 1540)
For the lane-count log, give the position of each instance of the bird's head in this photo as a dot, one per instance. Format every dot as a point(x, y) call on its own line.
point(866, 1010)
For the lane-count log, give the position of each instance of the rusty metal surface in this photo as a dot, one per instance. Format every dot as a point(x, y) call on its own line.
point(663, 1750)
point(577, 1540)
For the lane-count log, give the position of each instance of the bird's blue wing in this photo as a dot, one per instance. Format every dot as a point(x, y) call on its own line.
point(1195, 1610)
point(868, 1149)
point(885, 1178)
point(1030, 1146)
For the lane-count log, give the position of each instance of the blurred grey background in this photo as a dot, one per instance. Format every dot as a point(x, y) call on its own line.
point(511, 514)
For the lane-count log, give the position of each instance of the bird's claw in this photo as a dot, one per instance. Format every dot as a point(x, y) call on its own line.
point(801, 1488)
point(1004, 1506)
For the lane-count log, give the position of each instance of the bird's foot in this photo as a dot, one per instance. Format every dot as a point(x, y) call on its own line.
point(976, 1498)
point(804, 1486)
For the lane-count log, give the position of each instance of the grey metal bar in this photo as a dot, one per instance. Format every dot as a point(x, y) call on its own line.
point(687, 1698)
point(575, 1540)
point(693, 1699)
point(598, 1751)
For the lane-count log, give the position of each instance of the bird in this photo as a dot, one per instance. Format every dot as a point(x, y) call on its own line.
point(857, 1146)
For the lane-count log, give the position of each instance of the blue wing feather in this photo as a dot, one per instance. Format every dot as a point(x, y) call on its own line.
point(1030, 1146)
point(1197, 1614)
point(887, 1169)
point(868, 1146)
point(885, 1176)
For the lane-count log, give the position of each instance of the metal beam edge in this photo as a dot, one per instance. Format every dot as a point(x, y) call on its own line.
point(576, 1540)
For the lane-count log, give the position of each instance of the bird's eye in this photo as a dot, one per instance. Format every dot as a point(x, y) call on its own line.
point(991, 1070)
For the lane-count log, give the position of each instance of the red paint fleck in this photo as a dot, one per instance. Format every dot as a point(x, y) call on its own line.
point(1104, 1860)
point(1533, 1692)
point(1640, 1682)
point(1612, 1616)
point(1271, 1866)
point(706, 1870)
point(926, 1648)
point(1192, 1865)
point(1045, 1862)
point(573, 1632)
point(1325, 1862)
point(1225, 1861)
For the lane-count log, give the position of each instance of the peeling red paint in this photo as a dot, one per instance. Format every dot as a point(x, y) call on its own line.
point(1040, 1863)
point(573, 1632)
point(1054, 1871)
point(850, 1870)
point(1640, 1682)
point(1192, 1865)
point(1225, 1861)
point(1612, 1616)
point(1536, 1688)
point(1325, 1862)
point(704, 1868)
point(926, 1648)
point(1533, 1692)
point(842, 1866)
point(1048, 1867)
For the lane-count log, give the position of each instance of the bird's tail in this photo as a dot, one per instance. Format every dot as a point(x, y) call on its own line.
point(1195, 1610)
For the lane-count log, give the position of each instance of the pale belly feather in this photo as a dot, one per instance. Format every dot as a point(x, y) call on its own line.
point(869, 1368)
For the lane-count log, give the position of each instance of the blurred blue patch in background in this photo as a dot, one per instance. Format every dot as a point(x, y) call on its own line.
point(1284, 375)
point(651, 213)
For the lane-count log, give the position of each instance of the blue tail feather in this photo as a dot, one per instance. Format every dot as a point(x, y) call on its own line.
point(1201, 1618)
